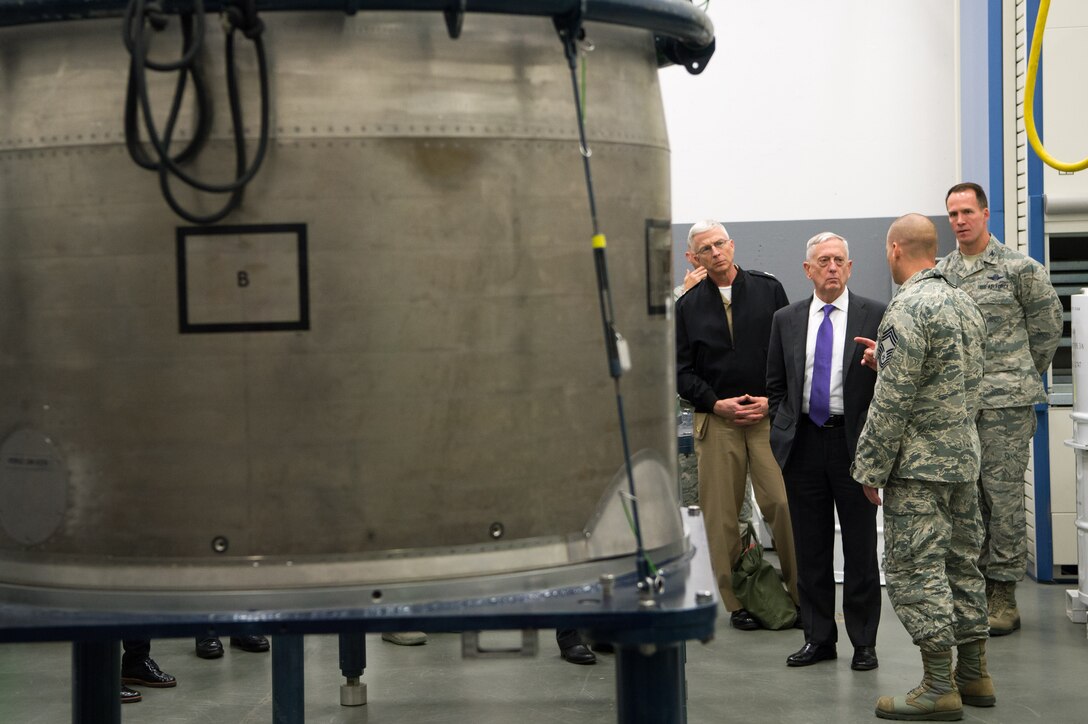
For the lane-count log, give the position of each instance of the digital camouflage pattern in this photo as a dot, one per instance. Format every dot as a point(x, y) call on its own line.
point(689, 478)
point(1005, 435)
point(921, 420)
point(919, 443)
point(1024, 325)
point(932, 533)
point(1023, 321)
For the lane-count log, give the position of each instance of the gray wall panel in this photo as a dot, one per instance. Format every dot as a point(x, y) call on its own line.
point(778, 247)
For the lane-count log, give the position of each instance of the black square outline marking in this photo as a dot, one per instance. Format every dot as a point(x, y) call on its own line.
point(301, 324)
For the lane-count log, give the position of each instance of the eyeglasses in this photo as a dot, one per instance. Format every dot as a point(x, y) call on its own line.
point(719, 245)
point(824, 261)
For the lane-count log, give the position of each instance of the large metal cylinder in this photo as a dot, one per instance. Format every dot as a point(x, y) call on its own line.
point(386, 367)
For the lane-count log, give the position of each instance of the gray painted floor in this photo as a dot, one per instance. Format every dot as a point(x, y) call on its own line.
point(1041, 675)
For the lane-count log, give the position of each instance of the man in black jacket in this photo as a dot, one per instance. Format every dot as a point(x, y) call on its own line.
point(723, 326)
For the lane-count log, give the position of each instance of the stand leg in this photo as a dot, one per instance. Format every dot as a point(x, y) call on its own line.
point(352, 663)
point(96, 682)
point(288, 684)
point(650, 684)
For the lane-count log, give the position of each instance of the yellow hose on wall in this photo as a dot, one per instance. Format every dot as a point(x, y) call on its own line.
point(1029, 96)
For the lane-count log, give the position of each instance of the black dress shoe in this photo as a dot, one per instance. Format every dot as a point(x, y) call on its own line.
point(741, 619)
point(864, 658)
point(811, 654)
point(209, 648)
point(129, 695)
point(578, 654)
point(253, 642)
point(147, 673)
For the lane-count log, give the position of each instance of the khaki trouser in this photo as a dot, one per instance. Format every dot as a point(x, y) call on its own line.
point(726, 453)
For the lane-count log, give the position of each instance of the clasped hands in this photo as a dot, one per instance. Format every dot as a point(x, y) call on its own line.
point(742, 411)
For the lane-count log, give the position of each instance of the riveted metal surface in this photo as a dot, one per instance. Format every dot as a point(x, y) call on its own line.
point(452, 374)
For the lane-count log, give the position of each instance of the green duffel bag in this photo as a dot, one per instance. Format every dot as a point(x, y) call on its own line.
point(758, 586)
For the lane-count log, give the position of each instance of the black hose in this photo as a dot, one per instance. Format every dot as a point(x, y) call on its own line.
point(202, 102)
point(138, 16)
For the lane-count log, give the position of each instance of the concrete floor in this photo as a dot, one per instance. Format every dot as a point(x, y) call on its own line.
point(1041, 674)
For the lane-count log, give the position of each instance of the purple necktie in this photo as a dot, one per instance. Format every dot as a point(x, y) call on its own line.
point(819, 398)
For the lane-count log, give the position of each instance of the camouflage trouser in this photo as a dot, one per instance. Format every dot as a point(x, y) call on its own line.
point(689, 478)
point(1005, 435)
point(932, 533)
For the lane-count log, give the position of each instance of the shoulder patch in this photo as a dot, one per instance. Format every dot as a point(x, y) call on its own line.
point(757, 272)
point(886, 346)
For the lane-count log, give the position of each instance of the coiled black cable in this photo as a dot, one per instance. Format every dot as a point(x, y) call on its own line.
point(139, 16)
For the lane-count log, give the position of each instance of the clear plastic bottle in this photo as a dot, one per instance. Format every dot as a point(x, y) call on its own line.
point(686, 420)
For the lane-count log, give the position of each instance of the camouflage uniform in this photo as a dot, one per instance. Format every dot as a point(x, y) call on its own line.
point(919, 443)
point(689, 478)
point(1023, 326)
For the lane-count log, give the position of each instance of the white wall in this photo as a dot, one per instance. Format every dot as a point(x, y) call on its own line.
point(816, 110)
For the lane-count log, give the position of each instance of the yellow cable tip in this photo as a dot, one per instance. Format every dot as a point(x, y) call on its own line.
point(598, 241)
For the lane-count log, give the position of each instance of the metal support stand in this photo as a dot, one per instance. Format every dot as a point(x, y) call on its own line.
point(650, 684)
point(96, 682)
point(647, 632)
point(352, 664)
point(288, 685)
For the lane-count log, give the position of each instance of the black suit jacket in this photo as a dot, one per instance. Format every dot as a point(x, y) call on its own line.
point(786, 371)
point(709, 365)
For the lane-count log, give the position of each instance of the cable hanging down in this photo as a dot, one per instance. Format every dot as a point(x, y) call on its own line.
point(1029, 96)
point(570, 33)
point(140, 15)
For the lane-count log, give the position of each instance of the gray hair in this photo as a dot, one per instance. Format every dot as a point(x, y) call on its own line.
point(821, 238)
point(702, 227)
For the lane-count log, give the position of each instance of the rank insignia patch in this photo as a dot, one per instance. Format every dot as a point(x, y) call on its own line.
point(885, 346)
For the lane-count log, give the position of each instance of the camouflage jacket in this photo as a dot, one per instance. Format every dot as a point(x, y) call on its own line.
point(1023, 321)
point(930, 351)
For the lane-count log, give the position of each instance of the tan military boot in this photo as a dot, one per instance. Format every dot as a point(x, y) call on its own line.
point(972, 679)
point(935, 699)
point(1004, 617)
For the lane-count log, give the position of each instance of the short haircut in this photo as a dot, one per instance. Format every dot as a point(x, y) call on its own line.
point(821, 238)
point(916, 236)
point(968, 186)
point(702, 227)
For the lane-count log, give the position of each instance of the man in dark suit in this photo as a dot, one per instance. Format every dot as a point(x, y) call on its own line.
point(819, 394)
point(722, 327)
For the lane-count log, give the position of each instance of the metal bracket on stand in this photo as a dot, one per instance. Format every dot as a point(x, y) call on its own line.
point(352, 664)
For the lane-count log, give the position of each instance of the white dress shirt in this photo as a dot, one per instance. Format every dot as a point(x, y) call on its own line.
point(838, 323)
